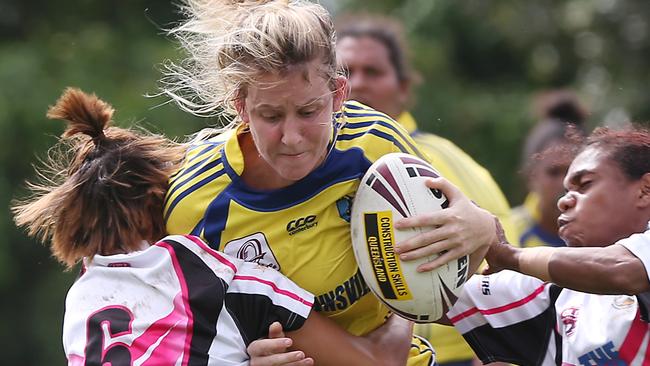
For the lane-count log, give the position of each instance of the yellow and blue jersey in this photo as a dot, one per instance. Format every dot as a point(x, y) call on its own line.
point(302, 230)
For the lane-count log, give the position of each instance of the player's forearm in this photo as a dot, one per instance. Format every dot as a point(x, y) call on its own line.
point(392, 340)
point(329, 344)
point(607, 270)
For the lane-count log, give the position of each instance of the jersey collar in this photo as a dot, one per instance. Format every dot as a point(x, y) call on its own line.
point(233, 151)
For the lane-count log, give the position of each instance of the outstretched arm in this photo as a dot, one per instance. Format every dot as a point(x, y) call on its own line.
point(323, 341)
point(600, 270)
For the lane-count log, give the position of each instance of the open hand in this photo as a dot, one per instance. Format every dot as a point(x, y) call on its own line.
point(274, 351)
point(458, 230)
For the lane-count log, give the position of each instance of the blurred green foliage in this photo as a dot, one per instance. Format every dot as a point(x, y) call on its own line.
point(481, 62)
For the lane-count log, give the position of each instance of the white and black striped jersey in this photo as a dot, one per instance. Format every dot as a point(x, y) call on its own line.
point(177, 302)
point(519, 319)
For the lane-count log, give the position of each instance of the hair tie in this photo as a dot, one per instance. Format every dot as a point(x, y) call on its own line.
point(99, 138)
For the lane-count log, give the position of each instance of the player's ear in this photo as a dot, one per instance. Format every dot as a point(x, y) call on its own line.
point(644, 191)
point(341, 92)
point(404, 94)
point(240, 106)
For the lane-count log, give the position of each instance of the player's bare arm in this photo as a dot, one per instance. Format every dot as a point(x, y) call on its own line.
point(600, 270)
point(321, 340)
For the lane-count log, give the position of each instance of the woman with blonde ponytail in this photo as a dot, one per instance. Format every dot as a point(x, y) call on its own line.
point(145, 300)
point(276, 187)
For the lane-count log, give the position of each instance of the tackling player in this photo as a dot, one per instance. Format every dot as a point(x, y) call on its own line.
point(606, 212)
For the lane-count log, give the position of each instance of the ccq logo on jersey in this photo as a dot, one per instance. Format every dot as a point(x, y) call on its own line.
point(252, 248)
point(301, 224)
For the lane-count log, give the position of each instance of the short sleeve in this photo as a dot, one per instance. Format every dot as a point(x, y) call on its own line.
point(507, 317)
point(639, 245)
point(259, 296)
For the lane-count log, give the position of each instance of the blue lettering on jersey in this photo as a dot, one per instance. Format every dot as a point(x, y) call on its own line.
point(602, 356)
point(344, 206)
point(343, 295)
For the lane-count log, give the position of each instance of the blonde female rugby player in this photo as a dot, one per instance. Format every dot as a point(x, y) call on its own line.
point(276, 187)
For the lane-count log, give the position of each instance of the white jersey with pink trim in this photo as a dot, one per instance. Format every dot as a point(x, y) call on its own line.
point(177, 302)
point(519, 319)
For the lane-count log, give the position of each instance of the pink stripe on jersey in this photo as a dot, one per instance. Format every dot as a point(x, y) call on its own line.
point(275, 288)
point(76, 360)
point(211, 251)
point(183, 284)
point(500, 309)
point(167, 334)
point(632, 343)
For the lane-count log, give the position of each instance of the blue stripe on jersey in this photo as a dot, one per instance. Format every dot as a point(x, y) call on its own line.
point(211, 146)
point(191, 189)
point(356, 106)
point(214, 220)
point(197, 229)
point(390, 126)
point(367, 113)
point(339, 166)
point(178, 185)
point(383, 135)
point(194, 166)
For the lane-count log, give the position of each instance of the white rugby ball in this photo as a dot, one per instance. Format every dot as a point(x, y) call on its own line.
point(393, 188)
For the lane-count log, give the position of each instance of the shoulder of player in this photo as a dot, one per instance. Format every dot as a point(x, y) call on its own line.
point(203, 164)
point(213, 258)
point(201, 152)
point(363, 127)
point(356, 117)
point(185, 203)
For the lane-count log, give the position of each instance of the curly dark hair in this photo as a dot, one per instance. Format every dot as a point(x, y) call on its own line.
point(629, 148)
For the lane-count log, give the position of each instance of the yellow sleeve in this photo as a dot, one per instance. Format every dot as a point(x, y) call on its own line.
point(192, 188)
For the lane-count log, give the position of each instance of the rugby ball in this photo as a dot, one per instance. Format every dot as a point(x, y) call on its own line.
point(393, 188)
